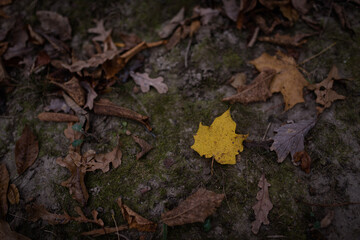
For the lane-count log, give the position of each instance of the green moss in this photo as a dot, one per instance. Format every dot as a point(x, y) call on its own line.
point(232, 61)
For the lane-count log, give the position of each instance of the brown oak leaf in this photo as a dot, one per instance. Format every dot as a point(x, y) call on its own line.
point(287, 40)
point(263, 206)
point(144, 81)
point(74, 89)
point(26, 150)
point(195, 208)
point(145, 147)
point(93, 161)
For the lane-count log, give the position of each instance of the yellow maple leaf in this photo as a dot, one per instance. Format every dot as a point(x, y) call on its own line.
point(219, 140)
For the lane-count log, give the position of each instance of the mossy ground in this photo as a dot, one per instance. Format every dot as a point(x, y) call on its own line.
point(194, 96)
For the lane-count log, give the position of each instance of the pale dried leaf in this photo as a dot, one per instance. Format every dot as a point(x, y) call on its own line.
point(258, 90)
point(105, 230)
point(206, 14)
point(57, 117)
point(26, 150)
point(7, 234)
point(145, 147)
point(4, 183)
point(170, 26)
point(57, 105)
point(13, 194)
point(135, 220)
point(290, 138)
point(326, 221)
point(195, 208)
point(73, 88)
point(36, 212)
point(263, 206)
point(231, 9)
point(144, 81)
point(238, 81)
point(100, 31)
point(55, 23)
point(91, 94)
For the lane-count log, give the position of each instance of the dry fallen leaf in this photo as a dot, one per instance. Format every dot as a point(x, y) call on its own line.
point(35, 38)
point(289, 12)
point(105, 230)
point(100, 31)
point(290, 138)
point(325, 96)
point(83, 219)
point(4, 183)
point(105, 107)
point(196, 208)
point(219, 140)
point(26, 150)
point(231, 9)
point(206, 14)
point(257, 90)
point(73, 88)
point(57, 117)
point(7, 234)
point(301, 5)
point(289, 81)
point(91, 95)
point(263, 206)
point(326, 221)
point(54, 23)
point(286, 40)
point(145, 147)
point(93, 161)
point(71, 134)
point(18, 46)
point(170, 26)
point(304, 159)
point(13, 194)
point(174, 39)
point(144, 81)
point(76, 182)
point(135, 220)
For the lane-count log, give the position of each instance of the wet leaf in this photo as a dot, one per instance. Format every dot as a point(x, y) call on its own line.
point(289, 81)
point(75, 183)
point(258, 90)
point(145, 147)
point(57, 117)
point(54, 23)
point(287, 40)
point(263, 206)
point(36, 212)
point(144, 81)
point(105, 230)
point(325, 96)
point(26, 150)
point(7, 234)
point(196, 208)
point(13, 194)
point(219, 140)
point(170, 26)
point(74, 89)
point(304, 159)
point(271, 4)
point(135, 220)
point(290, 138)
point(91, 95)
point(105, 107)
point(4, 184)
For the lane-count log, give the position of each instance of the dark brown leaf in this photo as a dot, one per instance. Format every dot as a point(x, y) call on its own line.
point(7, 234)
point(301, 5)
point(4, 184)
point(13, 194)
point(170, 26)
point(271, 4)
point(263, 206)
point(135, 220)
point(18, 47)
point(258, 90)
point(305, 160)
point(105, 107)
point(36, 212)
point(57, 117)
point(3, 47)
point(93, 161)
point(74, 89)
point(195, 208)
point(105, 230)
point(26, 150)
point(286, 40)
point(54, 23)
point(145, 147)
point(35, 38)
point(130, 40)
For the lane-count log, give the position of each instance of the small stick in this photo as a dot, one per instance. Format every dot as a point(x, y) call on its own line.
point(318, 54)
point(254, 37)
point(212, 166)
point(117, 229)
point(266, 132)
point(187, 52)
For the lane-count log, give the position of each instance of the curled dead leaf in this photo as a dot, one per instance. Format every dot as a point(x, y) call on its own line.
point(13, 194)
point(4, 184)
point(57, 117)
point(26, 150)
point(91, 94)
point(304, 159)
point(93, 161)
point(74, 89)
point(145, 147)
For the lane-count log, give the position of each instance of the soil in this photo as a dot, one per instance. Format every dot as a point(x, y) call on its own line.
point(172, 170)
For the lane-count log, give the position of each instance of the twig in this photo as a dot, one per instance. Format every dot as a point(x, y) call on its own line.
point(254, 37)
point(329, 204)
point(117, 229)
point(318, 54)
point(266, 132)
point(187, 52)
point(212, 166)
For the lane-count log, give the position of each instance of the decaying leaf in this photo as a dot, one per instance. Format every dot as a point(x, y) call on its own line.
point(26, 150)
point(144, 81)
point(326, 221)
point(325, 96)
point(231, 9)
point(13, 194)
point(290, 138)
point(219, 140)
point(105, 230)
point(145, 147)
point(135, 220)
point(289, 81)
point(263, 206)
point(93, 161)
point(57, 117)
point(304, 159)
point(206, 14)
point(91, 95)
point(196, 208)
point(36, 212)
point(170, 26)
point(76, 182)
point(54, 23)
point(83, 219)
point(286, 40)
point(258, 90)
point(73, 88)
point(238, 81)
point(7, 234)
point(106, 107)
point(4, 183)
